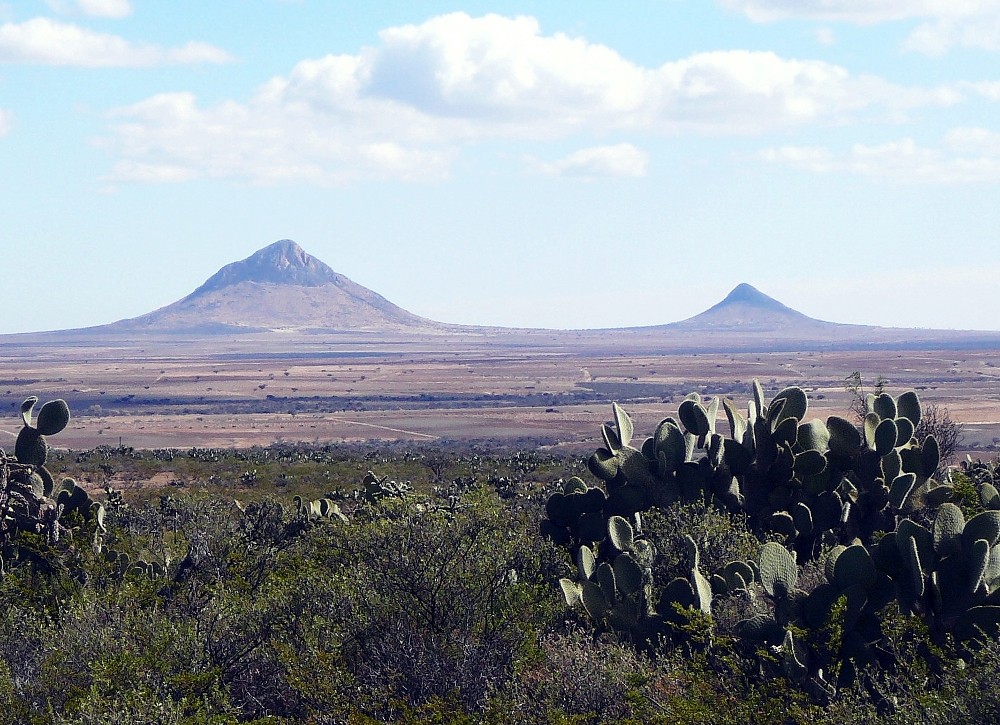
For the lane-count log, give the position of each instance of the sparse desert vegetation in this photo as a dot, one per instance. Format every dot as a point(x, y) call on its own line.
point(699, 575)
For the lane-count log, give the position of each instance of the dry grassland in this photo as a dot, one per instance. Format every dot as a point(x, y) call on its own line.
point(183, 397)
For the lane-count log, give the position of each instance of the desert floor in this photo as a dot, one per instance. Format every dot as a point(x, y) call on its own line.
point(193, 396)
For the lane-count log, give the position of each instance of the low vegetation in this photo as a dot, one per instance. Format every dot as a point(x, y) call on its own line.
point(787, 570)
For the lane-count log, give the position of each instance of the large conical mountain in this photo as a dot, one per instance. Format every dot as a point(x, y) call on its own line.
point(280, 287)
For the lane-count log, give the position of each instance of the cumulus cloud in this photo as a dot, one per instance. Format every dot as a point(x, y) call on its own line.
point(169, 138)
point(966, 155)
point(990, 90)
point(94, 8)
point(860, 11)
point(106, 8)
point(938, 37)
point(622, 159)
point(973, 140)
point(405, 107)
point(944, 24)
point(48, 42)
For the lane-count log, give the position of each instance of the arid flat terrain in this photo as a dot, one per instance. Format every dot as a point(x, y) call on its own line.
point(279, 347)
point(182, 394)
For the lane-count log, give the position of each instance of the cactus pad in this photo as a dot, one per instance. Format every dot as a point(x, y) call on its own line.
point(621, 534)
point(628, 574)
point(778, 572)
point(694, 417)
point(948, 525)
point(53, 417)
point(885, 436)
point(623, 424)
point(31, 447)
point(854, 567)
point(985, 525)
point(908, 406)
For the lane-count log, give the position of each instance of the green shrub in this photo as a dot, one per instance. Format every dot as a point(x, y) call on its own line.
point(442, 601)
point(721, 538)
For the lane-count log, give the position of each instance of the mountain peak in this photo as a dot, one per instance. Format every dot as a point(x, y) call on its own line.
point(283, 252)
point(744, 292)
point(747, 294)
point(282, 263)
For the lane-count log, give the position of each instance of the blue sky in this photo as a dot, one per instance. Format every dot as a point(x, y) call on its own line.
point(543, 164)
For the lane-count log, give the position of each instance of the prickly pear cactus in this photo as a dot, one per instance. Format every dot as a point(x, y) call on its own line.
point(27, 487)
point(812, 483)
point(375, 489)
point(32, 447)
point(809, 488)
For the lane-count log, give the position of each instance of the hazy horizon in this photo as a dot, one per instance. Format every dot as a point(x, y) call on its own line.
point(527, 164)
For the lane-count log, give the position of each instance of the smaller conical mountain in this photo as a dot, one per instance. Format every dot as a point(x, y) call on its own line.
point(280, 287)
point(747, 309)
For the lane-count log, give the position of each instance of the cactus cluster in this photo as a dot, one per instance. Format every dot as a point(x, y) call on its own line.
point(376, 489)
point(850, 497)
point(323, 508)
point(28, 500)
point(985, 478)
point(811, 482)
point(949, 574)
point(121, 565)
point(78, 510)
point(614, 584)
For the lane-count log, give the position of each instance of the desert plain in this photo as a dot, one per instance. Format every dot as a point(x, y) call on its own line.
point(506, 391)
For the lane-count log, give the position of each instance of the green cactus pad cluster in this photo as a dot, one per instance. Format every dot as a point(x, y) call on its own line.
point(323, 508)
point(31, 446)
point(850, 498)
point(376, 489)
point(28, 500)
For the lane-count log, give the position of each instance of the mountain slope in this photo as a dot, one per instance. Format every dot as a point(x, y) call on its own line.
point(280, 287)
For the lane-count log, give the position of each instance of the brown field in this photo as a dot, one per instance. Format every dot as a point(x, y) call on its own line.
point(182, 395)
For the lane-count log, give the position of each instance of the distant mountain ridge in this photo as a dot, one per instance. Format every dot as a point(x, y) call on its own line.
point(282, 287)
point(285, 297)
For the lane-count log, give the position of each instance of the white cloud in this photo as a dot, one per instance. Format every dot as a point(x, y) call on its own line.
point(93, 8)
point(168, 138)
point(990, 90)
point(505, 70)
point(48, 42)
point(967, 155)
point(944, 24)
point(826, 36)
point(938, 37)
point(106, 8)
point(973, 140)
point(863, 12)
point(402, 109)
point(622, 159)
